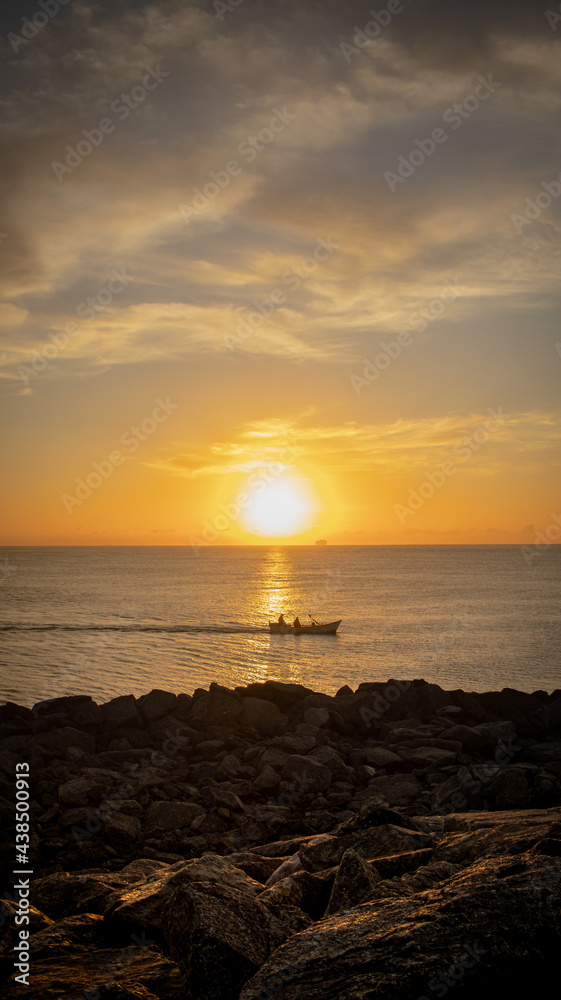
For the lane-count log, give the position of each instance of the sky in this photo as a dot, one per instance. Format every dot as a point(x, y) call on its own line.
point(280, 272)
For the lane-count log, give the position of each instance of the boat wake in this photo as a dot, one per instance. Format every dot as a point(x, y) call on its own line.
point(228, 629)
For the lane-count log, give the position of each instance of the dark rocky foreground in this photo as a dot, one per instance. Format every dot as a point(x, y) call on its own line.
point(398, 842)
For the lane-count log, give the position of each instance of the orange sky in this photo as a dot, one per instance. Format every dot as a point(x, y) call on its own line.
point(228, 296)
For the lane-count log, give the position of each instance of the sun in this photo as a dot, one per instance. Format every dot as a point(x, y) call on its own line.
point(280, 509)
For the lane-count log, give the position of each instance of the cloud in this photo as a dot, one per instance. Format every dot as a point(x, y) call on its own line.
point(401, 447)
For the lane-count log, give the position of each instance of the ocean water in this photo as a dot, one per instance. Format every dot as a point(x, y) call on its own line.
point(109, 621)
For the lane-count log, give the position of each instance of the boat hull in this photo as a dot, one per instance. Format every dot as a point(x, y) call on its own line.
point(329, 629)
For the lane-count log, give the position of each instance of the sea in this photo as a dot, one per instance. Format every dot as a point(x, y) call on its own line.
point(108, 621)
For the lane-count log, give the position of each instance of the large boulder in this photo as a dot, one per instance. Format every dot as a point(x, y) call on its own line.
point(80, 710)
point(156, 704)
point(220, 936)
point(217, 708)
point(142, 907)
point(137, 972)
point(61, 739)
point(529, 715)
point(510, 789)
point(122, 713)
point(489, 929)
point(65, 894)
point(374, 842)
point(354, 881)
point(262, 716)
point(285, 696)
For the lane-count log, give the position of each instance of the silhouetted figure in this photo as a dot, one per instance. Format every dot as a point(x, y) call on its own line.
point(281, 620)
point(296, 623)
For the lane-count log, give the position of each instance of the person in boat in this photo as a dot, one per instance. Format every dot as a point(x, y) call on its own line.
point(282, 621)
point(296, 623)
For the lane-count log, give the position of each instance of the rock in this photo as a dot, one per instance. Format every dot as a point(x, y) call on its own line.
point(308, 773)
point(220, 936)
point(328, 756)
point(468, 737)
point(410, 883)
point(262, 716)
point(258, 868)
point(9, 932)
point(510, 789)
point(492, 925)
point(371, 813)
point(219, 708)
point(59, 740)
point(544, 753)
point(142, 906)
point(494, 733)
point(527, 713)
point(396, 789)
point(75, 792)
point(121, 830)
point(354, 880)
point(163, 816)
point(156, 704)
point(132, 973)
point(266, 780)
point(81, 932)
point(395, 865)
point(318, 717)
point(377, 841)
point(307, 892)
point(80, 710)
point(427, 756)
point(288, 867)
point(231, 764)
point(300, 742)
point(122, 713)
point(284, 696)
point(65, 894)
point(379, 757)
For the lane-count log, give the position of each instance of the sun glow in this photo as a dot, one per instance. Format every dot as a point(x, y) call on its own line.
point(281, 509)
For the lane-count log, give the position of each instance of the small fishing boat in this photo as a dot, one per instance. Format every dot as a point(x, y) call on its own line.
point(329, 628)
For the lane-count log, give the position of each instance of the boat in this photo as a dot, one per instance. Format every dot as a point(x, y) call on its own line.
point(329, 628)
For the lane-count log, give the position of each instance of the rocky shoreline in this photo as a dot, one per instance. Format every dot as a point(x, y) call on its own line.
point(398, 842)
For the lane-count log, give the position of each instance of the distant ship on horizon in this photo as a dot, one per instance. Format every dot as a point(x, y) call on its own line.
point(321, 541)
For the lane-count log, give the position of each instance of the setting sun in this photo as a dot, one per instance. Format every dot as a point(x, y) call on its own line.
point(284, 508)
